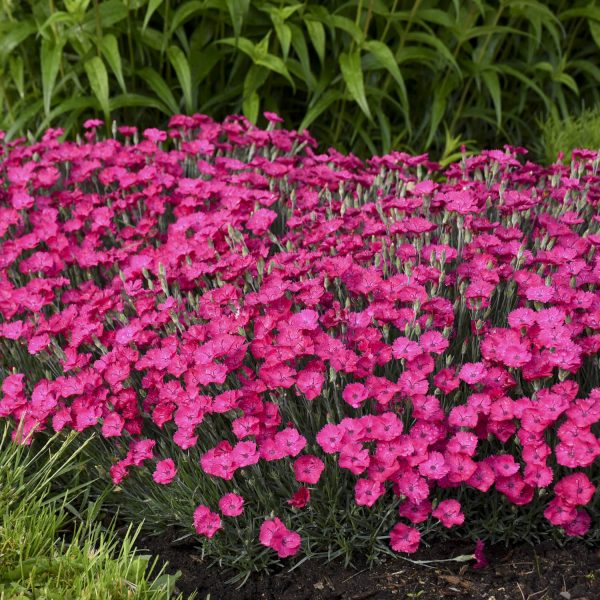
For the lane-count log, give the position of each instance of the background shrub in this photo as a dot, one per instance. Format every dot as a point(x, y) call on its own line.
point(565, 135)
point(366, 76)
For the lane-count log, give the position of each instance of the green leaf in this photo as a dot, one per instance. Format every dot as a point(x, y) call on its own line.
point(244, 44)
point(384, 127)
point(595, 31)
point(438, 107)
point(110, 50)
point(24, 116)
point(13, 34)
point(284, 35)
point(50, 57)
point(56, 18)
point(184, 75)
point(98, 78)
point(254, 79)
point(301, 49)
point(517, 74)
point(492, 82)
point(110, 13)
point(185, 12)
point(260, 55)
point(238, 9)
point(203, 59)
point(316, 32)
point(353, 76)
point(17, 72)
point(386, 60)
point(434, 42)
point(251, 106)
point(274, 63)
point(153, 39)
point(137, 101)
point(70, 105)
point(159, 87)
point(319, 107)
point(152, 6)
point(349, 27)
point(567, 80)
point(589, 12)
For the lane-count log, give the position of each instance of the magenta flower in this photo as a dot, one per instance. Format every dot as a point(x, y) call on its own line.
point(165, 471)
point(449, 513)
point(355, 394)
point(300, 498)
point(367, 492)
point(206, 522)
point(274, 534)
point(481, 560)
point(308, 469)
point(404, 538)
point(231, 505)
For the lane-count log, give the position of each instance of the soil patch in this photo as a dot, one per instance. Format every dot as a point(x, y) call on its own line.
point(542, 572)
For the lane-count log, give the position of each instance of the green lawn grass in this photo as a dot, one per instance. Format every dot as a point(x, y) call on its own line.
point(50, 547)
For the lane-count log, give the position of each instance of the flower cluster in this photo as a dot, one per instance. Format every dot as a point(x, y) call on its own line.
point(438, 328)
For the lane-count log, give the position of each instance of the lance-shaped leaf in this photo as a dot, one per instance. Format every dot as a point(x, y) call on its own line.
point(353, 76)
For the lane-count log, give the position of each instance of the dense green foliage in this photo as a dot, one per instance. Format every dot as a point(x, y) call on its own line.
point(37, 558)
point(366, 75)
point(565, 135)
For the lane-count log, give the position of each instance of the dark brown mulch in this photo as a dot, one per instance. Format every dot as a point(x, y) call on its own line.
point(543, 572)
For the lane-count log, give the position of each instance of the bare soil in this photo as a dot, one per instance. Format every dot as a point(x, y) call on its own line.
point(542, 572)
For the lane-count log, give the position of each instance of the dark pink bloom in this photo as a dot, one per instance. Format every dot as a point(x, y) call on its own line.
point(481, 560)
point(165, 471)
point(300, 498)
point(404, 538)
point(355, 394)
point(449, 513)
point(308, 469)
point(231, 505)
point(206, 522)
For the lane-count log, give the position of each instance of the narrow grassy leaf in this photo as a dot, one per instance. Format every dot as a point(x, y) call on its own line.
point(17, 72)
point(152, 6)
point(250, 107)
point(70, 105)
point(284, 34)
point(50, 57)
point(185, 12)
point(319, 107)
point(439, 107)
point(595, 31)
point(184, 75)
point(110, 12)
point(203, 59)
point(110, 51)
point(316, 32)
point(159, 87)
point(13, 34)
point(137, 101)
point(349, 27)
point(384, 126)
point(386, 60)
point(492, 82)
point(301, 49)
point(238, 9)
point(353, 76)
point(98, 78)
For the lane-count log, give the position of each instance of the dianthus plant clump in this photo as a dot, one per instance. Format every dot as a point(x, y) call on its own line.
point(292, 349)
